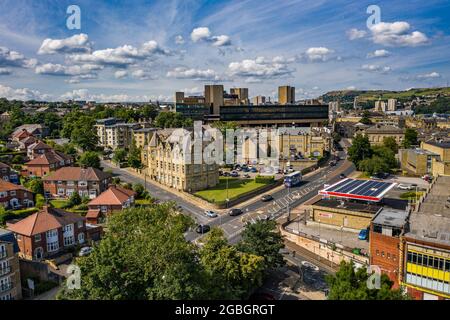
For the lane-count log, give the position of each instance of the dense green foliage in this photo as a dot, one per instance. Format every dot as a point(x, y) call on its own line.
point(348, 284)
point(410, 138)
point(89, 159)
point(360, 149)
point(144, 255)
point(172, 120)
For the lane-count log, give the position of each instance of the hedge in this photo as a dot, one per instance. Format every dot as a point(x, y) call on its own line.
point(264, 179)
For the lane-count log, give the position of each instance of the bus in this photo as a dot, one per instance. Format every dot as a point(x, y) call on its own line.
point(292, 179)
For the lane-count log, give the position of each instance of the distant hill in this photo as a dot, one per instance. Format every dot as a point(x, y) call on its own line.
point(347, 96)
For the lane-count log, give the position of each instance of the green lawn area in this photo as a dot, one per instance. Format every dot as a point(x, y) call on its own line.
point(411, 195)
point(236, 188)
point(143, 202)
point(58, 204)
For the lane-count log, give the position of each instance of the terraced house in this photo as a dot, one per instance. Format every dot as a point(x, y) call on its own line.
point(7, 174)
point(48, 232)
point(14, 196)
point(88, 182)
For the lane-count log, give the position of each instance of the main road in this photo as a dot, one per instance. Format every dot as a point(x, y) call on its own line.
point(233, 226)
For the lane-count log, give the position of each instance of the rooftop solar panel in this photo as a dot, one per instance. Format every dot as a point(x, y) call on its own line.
point(368, 190)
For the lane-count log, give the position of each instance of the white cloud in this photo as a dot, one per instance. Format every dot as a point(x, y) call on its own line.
point(194, 74)
point(192, 91)
point(22, 94)
point(201, 33)
point(120, 74)
point(380, 53)
point(140, 74)
point(375, 68)
point(5, 71)
point(179, 39)
point(261, 68)
point(76, 43)
point(85, 95)
point(10, 58)
point(431, 75)
point(316, 54)
point(354, 34)
point(397, 34)
point(60, 70)
point(204, 34)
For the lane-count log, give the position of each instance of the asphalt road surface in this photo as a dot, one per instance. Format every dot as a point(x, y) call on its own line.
point(233, 226)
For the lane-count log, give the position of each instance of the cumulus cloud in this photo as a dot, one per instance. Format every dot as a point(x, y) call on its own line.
point(10, 58)
point(120, 74)
point(5, 71)
point(85, 95)
point(74, 44)
point(204, 34)
point(193, 74)
point(431, 75)
point(121, 56)
point(354, 34)
point(141, 75)
point(192, 91)
point(261, 68)
point(380, 53)
point(61, 70)
point(22, 94)
point(316, 54)
point(179, 39)
point(375, 68)
point(397, 34)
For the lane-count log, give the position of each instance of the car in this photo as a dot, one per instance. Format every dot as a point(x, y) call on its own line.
point(245, 169)
point(202, 228)
point(363, 234)
point(310, 265)
point(235, 212)
point(210, 214)
point(332, 163)
point(85, 251)
point(403, 186)
point(342, 176)
point(234, 174)
point(226, 174)
point(246, 176)
point(266, 197)
point(253, 169)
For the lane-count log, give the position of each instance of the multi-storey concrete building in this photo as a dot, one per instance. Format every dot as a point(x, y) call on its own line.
point(259, 100)
point(214, 97)
point(242, 94)
point(10, 284)
point(431, 158)
point(167, 162)
point(114, 134)
point(286, 95)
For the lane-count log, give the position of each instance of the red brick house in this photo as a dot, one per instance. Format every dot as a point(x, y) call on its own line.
point(89, 182)
point(114, 199)
point(38, 148)
point(14, 196)
point(48, 232)
point(46, 163)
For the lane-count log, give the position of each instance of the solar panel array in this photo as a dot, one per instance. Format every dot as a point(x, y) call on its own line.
point(359, 189)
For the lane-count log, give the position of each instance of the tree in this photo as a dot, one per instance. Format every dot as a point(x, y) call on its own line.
point(89, 159)
point(139, 189)
point(144, 256)
point(83, 134)
point(360, 149)
point(35, 185)
point(119, 156)
point(230, 274)
point(366, 118)
point(172, 120)
point(386, 154)
point(74, 200)
point(134, 156)
point(348, 284)
point(391, 143)
point(410, 138)
point(373, 165)
point(263, 239)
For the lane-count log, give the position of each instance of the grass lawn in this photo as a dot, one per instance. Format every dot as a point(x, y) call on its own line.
point(411, 195)
point(236, 188)
point(143, 202)
point(58, 204)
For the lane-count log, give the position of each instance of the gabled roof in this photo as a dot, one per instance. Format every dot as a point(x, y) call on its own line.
point(113, 196)
point(93, 213)
point(77, 174)
point(43, 221)
point(39, 145)
point(8, 186)
point(50, 157)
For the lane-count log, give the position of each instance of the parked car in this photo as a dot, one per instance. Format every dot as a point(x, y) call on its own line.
point(210, 214)
point(332, 163)
point(226, 174)
point(253, 169)
point(246, 176)
point(235, 212)
point(363, 234)
point(342, 176)
point(266, 197)
point(85, 251)
point(310, 265)
point(234, 174)
point(202, 228)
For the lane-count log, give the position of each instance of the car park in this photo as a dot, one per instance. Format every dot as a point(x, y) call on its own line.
point(235, 212)
point(266, 197)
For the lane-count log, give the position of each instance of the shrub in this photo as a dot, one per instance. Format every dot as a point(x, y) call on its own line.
point(40, 201)
point(264, 179)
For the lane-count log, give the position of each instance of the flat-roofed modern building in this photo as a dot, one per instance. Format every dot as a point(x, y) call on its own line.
point(214, 97)
point(286, 95)
point(425, 246)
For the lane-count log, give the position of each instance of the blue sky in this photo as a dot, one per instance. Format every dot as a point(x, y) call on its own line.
point(141, 50)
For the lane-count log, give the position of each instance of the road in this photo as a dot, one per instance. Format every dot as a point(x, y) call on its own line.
point(233, 226)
